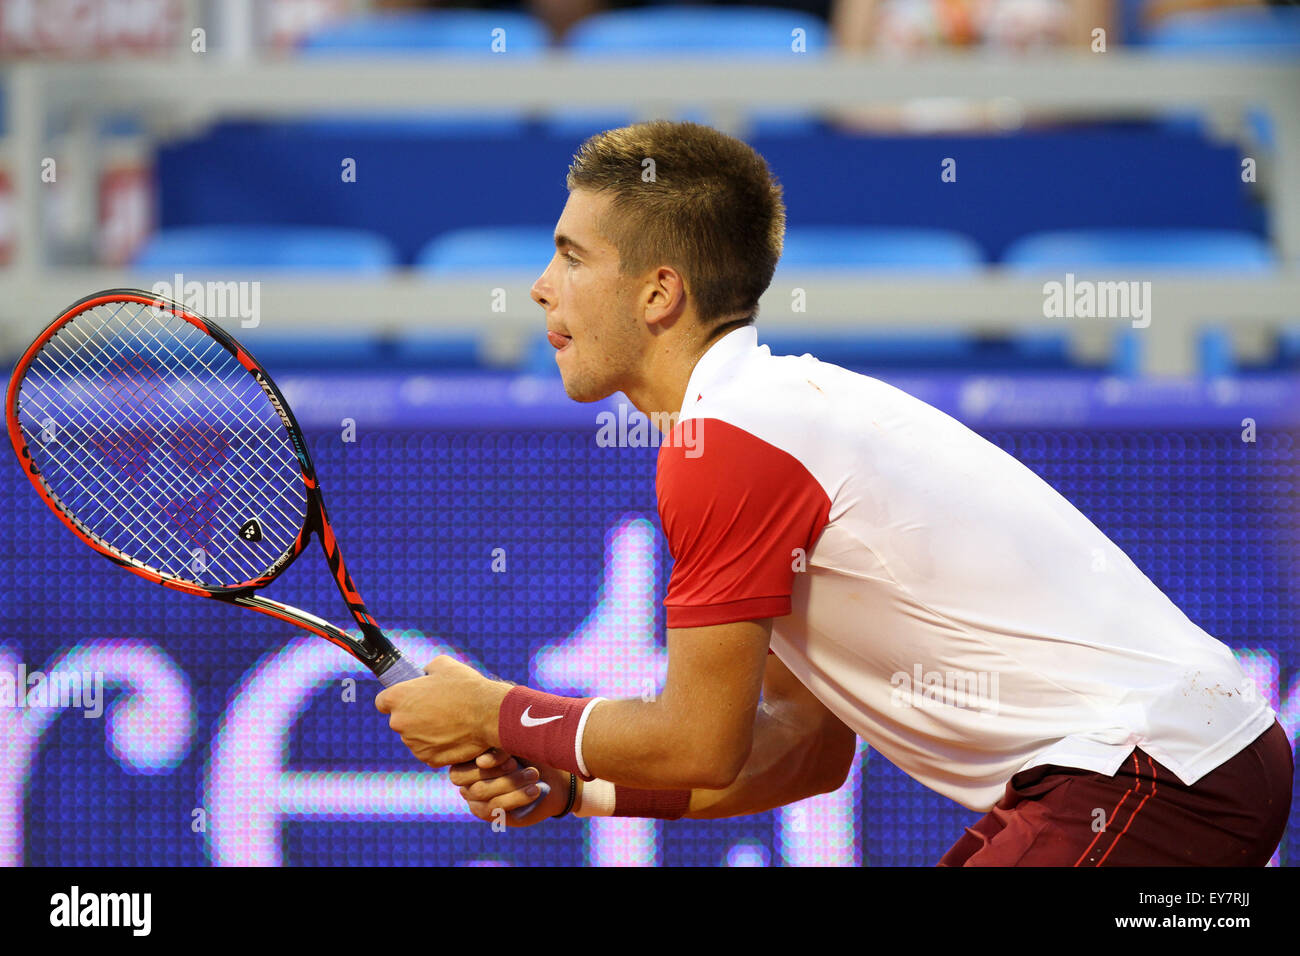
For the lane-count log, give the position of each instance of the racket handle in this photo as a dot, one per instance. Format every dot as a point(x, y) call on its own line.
point(403, 670)
point(399, 671)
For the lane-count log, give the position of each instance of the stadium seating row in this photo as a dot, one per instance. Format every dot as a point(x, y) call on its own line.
point(469, 251)
point(731, 29)
point(692, 31)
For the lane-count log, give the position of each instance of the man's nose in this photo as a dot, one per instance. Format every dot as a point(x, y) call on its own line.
point(539, 291)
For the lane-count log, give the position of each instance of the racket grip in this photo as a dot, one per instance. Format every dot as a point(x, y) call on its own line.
point(399, 671)
point(403, 670)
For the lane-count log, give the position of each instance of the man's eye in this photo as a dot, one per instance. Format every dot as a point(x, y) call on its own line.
point(568, 257)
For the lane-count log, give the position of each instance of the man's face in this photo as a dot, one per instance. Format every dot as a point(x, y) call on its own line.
point(590, 314)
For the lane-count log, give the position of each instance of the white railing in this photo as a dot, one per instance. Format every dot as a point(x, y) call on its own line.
point(1180, 305)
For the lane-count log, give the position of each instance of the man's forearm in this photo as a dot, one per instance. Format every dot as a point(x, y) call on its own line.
point(632, 743)
point(696, 734)
point(786, 764)
point(647, 745)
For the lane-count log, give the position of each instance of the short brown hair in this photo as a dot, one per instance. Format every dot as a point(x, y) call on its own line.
point(713, 210)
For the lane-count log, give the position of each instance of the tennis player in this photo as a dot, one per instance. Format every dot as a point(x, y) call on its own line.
point(848, 562)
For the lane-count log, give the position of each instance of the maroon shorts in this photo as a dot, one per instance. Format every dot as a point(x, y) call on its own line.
point(1141, 816)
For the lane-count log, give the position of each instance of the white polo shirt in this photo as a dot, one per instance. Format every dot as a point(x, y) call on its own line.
point(936, 595)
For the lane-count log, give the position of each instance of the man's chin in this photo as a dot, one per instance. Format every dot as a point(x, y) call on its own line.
point(586, 396)
point(586, 392)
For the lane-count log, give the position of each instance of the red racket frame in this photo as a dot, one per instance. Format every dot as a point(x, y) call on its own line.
point(373, 649)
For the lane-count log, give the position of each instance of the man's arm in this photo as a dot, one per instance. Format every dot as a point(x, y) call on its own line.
point(696, 734)
point(699, 731)
point(799, 749)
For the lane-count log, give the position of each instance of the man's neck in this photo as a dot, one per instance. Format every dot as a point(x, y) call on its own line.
point(663, 388)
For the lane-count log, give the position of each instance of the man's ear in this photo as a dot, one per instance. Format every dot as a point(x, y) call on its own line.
point(665, 296)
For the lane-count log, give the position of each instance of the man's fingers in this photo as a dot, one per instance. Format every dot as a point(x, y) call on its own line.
point(498, 808)
point(493, 758)
point(520, 781)
point(437, 758)
point(463, 774)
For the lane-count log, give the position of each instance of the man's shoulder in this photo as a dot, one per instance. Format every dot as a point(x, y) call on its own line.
point(781, 421)
point(804, 407)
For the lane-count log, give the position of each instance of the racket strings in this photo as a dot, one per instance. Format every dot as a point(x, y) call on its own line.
point(226, 367)
point(113, 506)
point(188, 513)
point(203, 501)
point(103, 438)
point(161, 446)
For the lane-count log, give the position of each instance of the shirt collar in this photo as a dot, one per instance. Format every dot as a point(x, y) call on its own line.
point(733, 346)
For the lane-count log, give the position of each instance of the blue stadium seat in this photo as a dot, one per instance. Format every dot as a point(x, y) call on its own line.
point(267, 247)
point(429, 33)
point(880, 247)
point(424, 32)
point(686, 31)
point(1191, 250)
point(737, 31)
point(815, 247)
point(526, 248)
point(1244, 32)
point(1178, 249)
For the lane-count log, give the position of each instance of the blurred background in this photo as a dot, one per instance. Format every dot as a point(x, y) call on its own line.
point(1072, 224)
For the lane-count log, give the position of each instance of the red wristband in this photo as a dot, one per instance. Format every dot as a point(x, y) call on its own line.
point(543, 728)
point(661, 804)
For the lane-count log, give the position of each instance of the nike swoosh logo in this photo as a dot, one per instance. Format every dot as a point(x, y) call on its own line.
point(528, 721)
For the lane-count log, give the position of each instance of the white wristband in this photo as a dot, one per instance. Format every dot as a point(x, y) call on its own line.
point(597, 799)
point(577, 739)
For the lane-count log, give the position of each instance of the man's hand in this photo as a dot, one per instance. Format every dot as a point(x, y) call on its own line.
point(497, 783)
point(448, 716)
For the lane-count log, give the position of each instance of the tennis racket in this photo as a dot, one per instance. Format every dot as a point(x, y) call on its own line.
point(164, 445)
